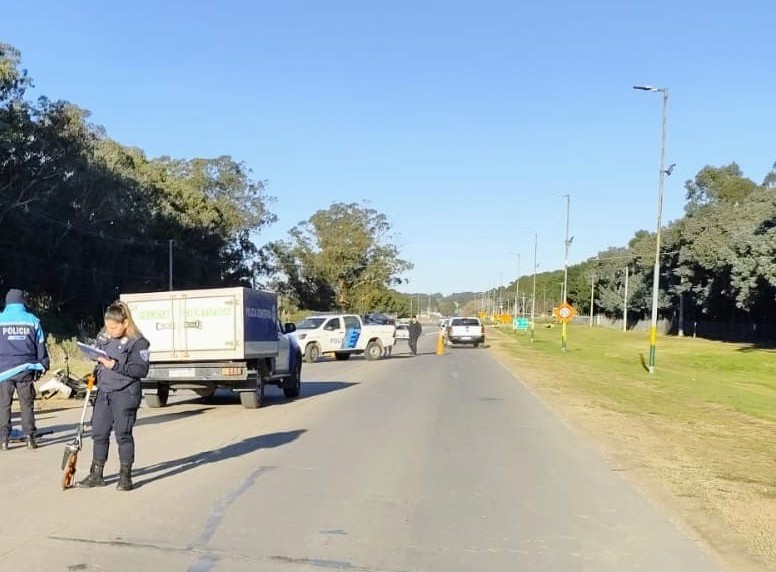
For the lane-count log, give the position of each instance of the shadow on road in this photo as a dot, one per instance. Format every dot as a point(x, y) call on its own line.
point(58, 434)
point(175, 467)
point(313, 388)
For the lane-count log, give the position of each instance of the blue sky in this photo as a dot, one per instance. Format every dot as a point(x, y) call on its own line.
point(464, 122)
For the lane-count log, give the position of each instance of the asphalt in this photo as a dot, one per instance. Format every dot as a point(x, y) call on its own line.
point(426, 463)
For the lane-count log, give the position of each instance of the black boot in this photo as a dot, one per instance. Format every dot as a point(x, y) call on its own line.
point(31, 443)
point(125, 478)
point(95, 476)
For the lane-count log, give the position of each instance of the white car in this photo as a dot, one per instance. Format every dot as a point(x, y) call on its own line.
point(466, 330)
point(343, 335)
point(402, 332)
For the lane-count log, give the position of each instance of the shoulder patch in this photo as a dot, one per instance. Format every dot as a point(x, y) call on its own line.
point(145, 355)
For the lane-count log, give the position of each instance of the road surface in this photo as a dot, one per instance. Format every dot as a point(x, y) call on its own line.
point(427, 463)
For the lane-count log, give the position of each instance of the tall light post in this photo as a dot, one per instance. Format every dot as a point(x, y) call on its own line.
point(517, 285)
point(661, 183)
point(566, 243)
point(533, 296)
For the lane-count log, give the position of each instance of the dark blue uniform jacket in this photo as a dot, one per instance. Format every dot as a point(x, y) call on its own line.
point(22, 343)
point(131, 355)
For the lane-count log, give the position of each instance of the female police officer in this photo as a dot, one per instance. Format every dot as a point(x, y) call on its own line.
point(119, 394)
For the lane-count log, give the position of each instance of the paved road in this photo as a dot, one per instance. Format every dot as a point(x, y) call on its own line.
point(429, 463)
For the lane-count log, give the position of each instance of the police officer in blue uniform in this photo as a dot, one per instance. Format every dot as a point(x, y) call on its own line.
point(23, 358)
point(118, 394)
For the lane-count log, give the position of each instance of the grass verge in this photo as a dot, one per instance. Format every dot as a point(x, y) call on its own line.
point(698, 433)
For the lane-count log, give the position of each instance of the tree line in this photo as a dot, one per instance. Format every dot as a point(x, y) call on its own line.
point(717, 262)
point(84, 218)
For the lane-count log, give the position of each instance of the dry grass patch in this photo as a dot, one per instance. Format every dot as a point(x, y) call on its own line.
point(698, 434)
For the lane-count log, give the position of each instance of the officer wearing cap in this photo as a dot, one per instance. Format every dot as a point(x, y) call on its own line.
point(23, 358)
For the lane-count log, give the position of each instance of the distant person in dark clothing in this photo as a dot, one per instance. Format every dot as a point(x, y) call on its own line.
point(415, 330)
point(23, 359)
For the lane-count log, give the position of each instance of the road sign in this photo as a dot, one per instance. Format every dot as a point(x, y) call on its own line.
point(520, 324)
point(566, 312)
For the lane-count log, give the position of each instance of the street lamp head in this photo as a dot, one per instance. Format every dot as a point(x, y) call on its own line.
point(649, 88)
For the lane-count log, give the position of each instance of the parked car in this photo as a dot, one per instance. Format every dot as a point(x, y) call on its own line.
point(402, 332)
point(465, 331)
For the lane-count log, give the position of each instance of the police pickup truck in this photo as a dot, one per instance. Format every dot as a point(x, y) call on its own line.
point(221, 337)
point(343, 335)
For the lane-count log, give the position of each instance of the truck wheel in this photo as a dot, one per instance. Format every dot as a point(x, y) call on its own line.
point(158, 399)
point(295, 381)
point(311, 353)
point(253, 399)
point(373, 350)
point(342, 356)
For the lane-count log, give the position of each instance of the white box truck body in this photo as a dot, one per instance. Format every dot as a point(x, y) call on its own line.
point(218, 337)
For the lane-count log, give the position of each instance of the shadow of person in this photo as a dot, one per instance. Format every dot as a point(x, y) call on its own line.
point(175, 467)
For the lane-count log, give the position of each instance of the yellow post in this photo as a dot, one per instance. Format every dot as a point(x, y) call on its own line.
point(563, 336)
point(440, 349)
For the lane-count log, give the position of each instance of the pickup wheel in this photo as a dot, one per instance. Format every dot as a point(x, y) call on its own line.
point(374, 350)
point(342, 356)
point(158, 399)
point(312, 352)
point(253, 399)
point(295, 381)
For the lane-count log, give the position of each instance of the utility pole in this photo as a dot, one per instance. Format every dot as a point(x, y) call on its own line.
point(171, 241)
point(566, 243)
point(592, 298)
point(517, 285)
point(625, 302)
point(533, 297)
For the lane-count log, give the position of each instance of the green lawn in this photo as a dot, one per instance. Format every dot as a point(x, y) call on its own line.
point(691, 375)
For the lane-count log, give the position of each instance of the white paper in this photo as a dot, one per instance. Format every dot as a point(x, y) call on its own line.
point(91, 352)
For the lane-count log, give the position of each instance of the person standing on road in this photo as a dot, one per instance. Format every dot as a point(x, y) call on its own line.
point(118, 394)
point(23, 359)
point(415, 330)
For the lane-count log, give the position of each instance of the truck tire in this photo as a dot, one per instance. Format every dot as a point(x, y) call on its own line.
point(312, 352)
point(342, 356)
point(374, 350)
point(158, 399)
point(253, 399)
point(294, 387)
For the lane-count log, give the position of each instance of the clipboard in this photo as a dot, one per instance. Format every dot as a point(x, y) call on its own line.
point(90, 351)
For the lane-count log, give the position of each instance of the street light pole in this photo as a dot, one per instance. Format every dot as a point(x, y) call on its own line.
point(517, 285)
point(533, 297)
point(566, 254)
point(661, 183)
point(170, 264)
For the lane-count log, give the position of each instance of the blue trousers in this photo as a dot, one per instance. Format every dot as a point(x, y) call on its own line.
point(116, 411)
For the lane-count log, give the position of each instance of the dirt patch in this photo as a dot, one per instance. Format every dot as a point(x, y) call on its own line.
point(690, 468)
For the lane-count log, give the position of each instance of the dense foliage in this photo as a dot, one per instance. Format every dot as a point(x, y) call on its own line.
point(83, 218)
